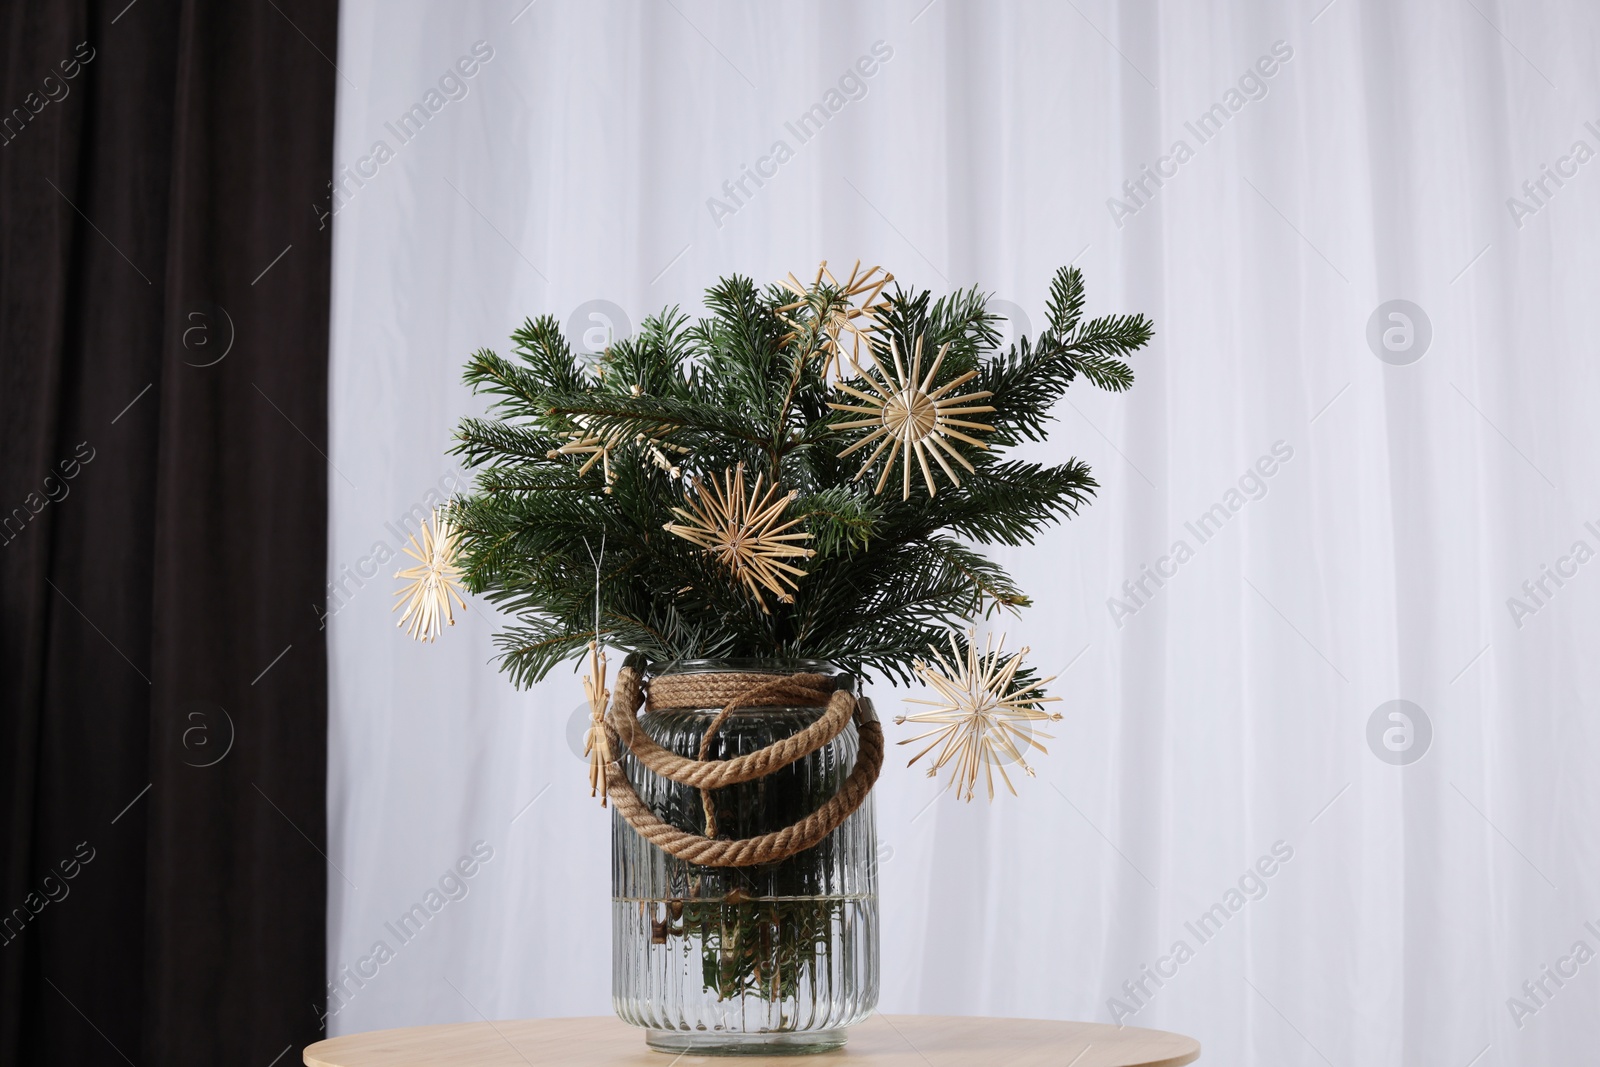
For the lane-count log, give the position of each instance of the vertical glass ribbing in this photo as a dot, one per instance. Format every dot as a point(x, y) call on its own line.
point(721, 958)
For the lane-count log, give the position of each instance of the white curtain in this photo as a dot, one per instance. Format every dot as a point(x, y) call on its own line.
point(1376, 501)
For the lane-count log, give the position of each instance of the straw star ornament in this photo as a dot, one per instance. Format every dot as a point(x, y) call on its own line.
point(912, 417)
point(433, 583)
point(744, 533)
point(834, 315)
point(596, 745)
point(598, 446)
point(982, 717)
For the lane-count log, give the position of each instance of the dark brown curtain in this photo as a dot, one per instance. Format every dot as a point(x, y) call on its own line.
point(163, 507)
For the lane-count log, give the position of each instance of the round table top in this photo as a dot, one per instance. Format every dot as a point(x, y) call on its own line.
point(881, 1041)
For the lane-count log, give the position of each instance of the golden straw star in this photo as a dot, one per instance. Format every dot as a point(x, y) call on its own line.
point(598, 446)
point(912, 416)
point(596, 745)
point(434, 582)
point(982, 721)
point(833, 314)
point(742, 533)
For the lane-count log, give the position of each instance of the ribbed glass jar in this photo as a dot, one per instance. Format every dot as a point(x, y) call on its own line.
point(773, 958)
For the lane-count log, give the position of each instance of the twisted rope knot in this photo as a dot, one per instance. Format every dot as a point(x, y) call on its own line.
point(731, 692)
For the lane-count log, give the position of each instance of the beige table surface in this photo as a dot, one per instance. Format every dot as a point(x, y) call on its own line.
point(881, 1041)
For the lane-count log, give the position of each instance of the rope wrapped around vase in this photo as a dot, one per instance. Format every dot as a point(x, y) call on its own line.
point(730, 692)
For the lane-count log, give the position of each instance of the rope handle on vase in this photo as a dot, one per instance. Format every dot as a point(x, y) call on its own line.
point(733, 691)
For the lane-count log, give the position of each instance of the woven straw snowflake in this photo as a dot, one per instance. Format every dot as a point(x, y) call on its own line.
point(596, 745)
point(910, 416)
point(983, 720)
point(743, 533)
point(598, 445)
point(833, 312)
point(433, 583)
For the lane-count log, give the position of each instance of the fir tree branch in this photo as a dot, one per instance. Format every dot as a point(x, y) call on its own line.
point(742, 385)
point(838, 520)
point(656, 416)
point(485, 441)
point(1009, 502)
point(1064, 306)
point(1099, 349)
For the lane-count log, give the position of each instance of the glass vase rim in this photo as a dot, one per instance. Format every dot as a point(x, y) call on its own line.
point(745, 665)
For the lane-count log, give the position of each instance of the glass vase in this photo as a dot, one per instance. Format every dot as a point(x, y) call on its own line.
point(774, 958)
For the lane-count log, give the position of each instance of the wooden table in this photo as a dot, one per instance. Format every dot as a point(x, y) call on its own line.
point(881, 1041)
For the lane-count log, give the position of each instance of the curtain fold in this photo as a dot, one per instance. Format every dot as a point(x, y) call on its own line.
point(163, 505)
